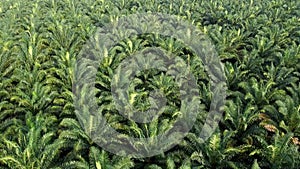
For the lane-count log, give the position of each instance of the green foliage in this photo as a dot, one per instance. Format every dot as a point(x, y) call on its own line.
point(258, 43)
point(31, 145)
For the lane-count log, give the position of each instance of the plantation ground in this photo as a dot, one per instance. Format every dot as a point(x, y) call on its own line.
point(257, 41)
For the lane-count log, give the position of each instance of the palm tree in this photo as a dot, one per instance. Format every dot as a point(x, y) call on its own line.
point(31, 145)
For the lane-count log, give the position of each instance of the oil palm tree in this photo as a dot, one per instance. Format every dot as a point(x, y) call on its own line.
point(31, 145)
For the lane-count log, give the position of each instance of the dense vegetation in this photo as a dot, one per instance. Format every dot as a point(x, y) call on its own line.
point(257, 41)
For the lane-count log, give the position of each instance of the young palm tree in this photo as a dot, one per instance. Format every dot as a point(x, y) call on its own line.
point(31, 145)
